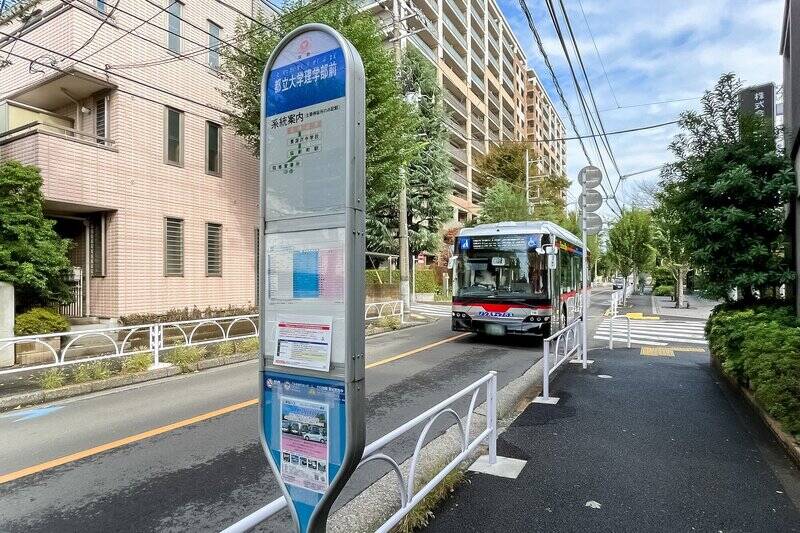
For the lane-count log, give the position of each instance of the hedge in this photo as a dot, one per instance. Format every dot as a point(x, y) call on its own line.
point(760, 347)
point(39, 321)
point(663, 290)
point(426, 278)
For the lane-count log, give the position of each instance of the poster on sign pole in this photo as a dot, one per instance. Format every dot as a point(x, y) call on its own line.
point(311, 275)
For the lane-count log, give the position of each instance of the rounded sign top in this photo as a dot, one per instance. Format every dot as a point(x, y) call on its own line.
point(592, 223)
point(590, 176)
point(591, 200)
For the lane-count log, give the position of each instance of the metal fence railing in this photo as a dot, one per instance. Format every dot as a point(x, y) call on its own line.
point(409, 495)
point(561, 345)
point(377, 310)
point(85, 346)
point(617, 297)
point(72, 347)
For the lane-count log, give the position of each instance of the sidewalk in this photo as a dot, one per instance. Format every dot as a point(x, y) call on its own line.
point(699, 308)
point(635, 444)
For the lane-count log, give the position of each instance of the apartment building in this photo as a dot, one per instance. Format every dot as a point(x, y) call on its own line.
point(543, 122)
point(159, 198)
point(482, 71)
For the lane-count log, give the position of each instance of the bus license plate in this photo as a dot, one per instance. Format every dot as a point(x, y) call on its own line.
point(495, 329)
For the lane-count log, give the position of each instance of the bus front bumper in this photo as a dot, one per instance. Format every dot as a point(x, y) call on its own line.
point(517, 327)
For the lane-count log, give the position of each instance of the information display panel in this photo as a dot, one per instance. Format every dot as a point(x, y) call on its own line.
point(311, 253)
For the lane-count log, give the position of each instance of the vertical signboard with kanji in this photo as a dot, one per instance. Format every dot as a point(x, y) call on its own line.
point(311, 251)
point(758, 100)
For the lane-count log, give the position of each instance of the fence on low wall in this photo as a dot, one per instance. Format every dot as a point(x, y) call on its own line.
point(40, 352)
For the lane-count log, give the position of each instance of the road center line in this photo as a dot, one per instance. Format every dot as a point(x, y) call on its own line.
point(35, 469)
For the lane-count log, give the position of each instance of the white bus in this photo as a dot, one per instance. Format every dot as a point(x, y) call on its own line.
point(516, 278)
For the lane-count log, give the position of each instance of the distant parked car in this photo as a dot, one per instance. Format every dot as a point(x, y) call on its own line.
point(618, 283)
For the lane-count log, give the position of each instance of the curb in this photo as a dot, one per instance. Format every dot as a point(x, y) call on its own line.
point(787, 441)
point(378, 502)
point(8, 403)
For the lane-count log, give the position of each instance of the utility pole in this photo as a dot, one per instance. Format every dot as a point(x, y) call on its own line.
point(405, 292)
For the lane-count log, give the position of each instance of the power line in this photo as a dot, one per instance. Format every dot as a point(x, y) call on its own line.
point(96, 31)
point(130, 31)
point(581, 99)
point(553, 76)
point(578, 137)
point(651, 103)
point(121, 76)
point(602, 64)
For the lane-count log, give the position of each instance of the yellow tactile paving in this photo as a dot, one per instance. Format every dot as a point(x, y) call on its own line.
point(657, 351)
point(640, 316)
point(689, 349)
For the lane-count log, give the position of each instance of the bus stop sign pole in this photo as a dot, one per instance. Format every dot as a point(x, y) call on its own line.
point(311, 269)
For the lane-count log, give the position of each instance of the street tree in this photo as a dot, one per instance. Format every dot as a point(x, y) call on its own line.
point(727, 189)
point(503, 203)
point(671, 245)
point(427, 173)
point(33, 257)
point(390, 121)
point(506, 162)
point(630, 246)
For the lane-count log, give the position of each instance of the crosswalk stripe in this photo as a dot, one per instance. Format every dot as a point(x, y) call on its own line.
point(432, 310)
point(654, 333)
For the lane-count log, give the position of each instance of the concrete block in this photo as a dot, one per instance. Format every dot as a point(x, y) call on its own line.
point(6, 322)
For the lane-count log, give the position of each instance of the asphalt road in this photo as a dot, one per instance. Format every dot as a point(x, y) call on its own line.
point(210, 472)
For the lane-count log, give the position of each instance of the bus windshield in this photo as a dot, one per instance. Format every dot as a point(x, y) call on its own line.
point(501, 266)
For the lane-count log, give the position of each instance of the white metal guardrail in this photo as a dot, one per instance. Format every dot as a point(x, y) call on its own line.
point(409, 497)
point(616, 297)
point(566, 343)
point(377, 310)
point(75, 347)
point(65, 347)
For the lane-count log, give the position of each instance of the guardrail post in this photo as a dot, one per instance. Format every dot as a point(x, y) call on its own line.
point(545, 397)
point(584, 357)
point(402, 312)
point(491, 416)
point(611, 332)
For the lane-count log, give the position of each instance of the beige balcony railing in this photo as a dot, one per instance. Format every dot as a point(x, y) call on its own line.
point(53, 129)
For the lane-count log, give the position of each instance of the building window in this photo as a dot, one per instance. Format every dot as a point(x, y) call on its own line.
point(213, 156)
point(101, 6)
point(214, 32)
point(100, 118)
point(174, 12)
point(213, 249)
point(97, 245)
point(173, 137)
point(173, 247)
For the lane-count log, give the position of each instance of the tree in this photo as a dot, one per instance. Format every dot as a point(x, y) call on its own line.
point(390, 122)
point(506, 162)
point(32, 255)
point(427, 173)
point(670, 243)
point(503, 203)
point(630, 242)
point(727, 189)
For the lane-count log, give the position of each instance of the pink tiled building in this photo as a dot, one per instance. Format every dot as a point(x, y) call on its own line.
point(159, 197)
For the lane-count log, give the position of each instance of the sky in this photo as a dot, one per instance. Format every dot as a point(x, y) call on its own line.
point(652, 51)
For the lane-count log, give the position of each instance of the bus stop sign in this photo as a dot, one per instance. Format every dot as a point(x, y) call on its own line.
point(311, 269)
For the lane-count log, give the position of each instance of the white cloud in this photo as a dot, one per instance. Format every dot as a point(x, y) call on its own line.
point(653, 51)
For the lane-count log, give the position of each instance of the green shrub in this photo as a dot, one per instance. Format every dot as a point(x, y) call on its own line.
point(100, 370)
point(380, 276)
point(664, 290)
point(223, 349)
point(52, 379)
point(426, 280)
point(391, 322)
point(176, 315)
point(247, 345)
point(186, 357)
point(136, 363)
point(39, 321)
point(81, 374)
point(760, 347)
